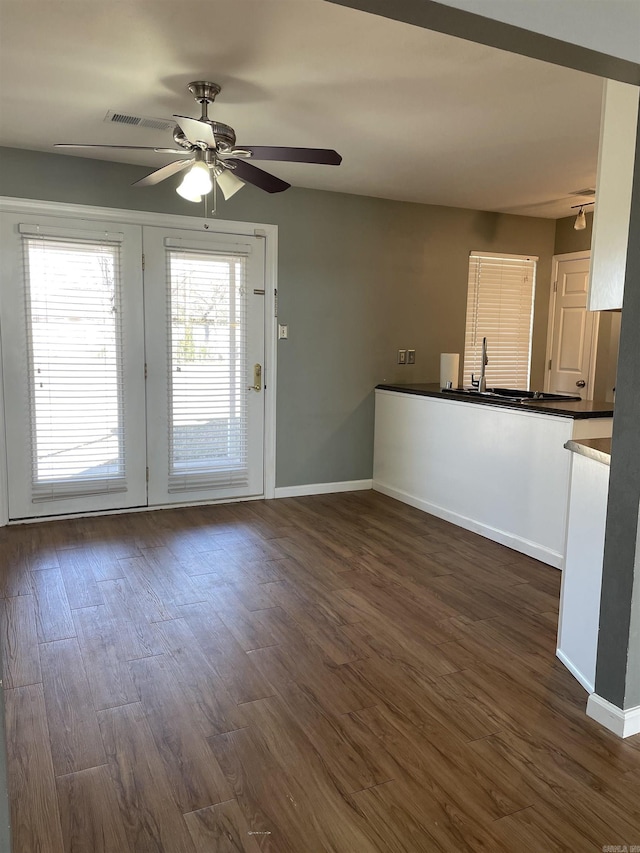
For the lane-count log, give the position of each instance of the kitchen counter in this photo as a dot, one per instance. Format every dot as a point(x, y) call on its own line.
point(593, 448)
point(496, 467)
point(577, 409)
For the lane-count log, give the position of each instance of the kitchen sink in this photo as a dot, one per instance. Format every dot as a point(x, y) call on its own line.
point(513, 395)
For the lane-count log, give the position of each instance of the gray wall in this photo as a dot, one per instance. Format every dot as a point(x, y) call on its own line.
point(570, 240)
point(358, 278)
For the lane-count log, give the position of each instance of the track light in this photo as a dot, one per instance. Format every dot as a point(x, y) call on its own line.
point(581, 220)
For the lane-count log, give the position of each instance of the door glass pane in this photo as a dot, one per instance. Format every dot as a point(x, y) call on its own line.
point(207, 397)
point(73, 324)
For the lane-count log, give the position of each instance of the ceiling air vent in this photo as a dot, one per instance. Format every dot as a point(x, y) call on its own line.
point(139, 121)
point(590, 191)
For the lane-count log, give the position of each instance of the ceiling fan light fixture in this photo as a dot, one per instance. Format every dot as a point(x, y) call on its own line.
point(196, 183)
point(228, 183)
point(187, 194)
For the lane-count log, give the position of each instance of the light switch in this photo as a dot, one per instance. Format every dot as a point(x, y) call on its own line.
point(283, 332)
point(402, 356)
point(411, 356)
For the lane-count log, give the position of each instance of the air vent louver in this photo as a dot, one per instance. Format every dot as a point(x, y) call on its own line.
point(139, 121)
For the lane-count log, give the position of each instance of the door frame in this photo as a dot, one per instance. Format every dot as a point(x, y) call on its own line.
point(196, 224)
point(568, 256)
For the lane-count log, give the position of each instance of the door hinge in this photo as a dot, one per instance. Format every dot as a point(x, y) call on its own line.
point(147, 475)
point(549, 364)
point(555, 286)
point(145, 370)
point(143, 261)
point(275, 302)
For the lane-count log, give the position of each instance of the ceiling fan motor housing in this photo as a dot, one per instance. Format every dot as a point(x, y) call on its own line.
point(225, 136)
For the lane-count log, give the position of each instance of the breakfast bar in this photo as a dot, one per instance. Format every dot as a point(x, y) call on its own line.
point(498, 467)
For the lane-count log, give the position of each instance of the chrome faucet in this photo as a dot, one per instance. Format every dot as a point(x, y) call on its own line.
point(481, 383)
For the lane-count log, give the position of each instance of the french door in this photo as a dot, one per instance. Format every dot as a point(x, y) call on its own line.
point(204, 315)
point(126, 386)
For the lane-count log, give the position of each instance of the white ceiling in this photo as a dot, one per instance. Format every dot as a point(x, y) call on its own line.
point(417, 116)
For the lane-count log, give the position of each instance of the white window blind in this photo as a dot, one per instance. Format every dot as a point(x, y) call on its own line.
point(208, 425)
point(500, 308)
point(74, 352)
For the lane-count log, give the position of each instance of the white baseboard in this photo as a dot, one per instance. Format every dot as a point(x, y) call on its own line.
point(621, 723)
point(524, 546)
point(575, 672)
point(322, 488)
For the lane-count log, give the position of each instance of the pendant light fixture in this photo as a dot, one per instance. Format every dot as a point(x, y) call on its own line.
point(581, 220)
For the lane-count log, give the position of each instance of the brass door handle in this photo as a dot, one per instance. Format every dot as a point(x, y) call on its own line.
point(257, 378)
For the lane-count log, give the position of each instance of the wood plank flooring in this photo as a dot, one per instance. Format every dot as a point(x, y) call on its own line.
point(332, 674)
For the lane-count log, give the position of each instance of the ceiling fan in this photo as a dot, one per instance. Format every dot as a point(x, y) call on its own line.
point(212, 154)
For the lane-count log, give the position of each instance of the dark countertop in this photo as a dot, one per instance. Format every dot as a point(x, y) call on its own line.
point(593, 448)
point(577, 409)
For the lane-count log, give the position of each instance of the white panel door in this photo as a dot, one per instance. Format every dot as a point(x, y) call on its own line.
point(204, 310)
point(71, 313)
point(573, 331)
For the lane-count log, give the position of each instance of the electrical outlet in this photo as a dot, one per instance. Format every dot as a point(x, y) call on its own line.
point(283, 332)
point(402, 356)
point(411, 356)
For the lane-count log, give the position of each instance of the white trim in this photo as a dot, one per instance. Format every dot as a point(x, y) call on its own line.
point(133, 217)
point(500, 255)
point(191, 223)
point(517, 543)
point(624, 723)
point(4, 474)
point(271, 357)
point(575, 672)
point(322, 488)
point(553, 295)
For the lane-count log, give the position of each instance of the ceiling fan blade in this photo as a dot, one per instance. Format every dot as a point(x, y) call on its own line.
point(197, 131)
point(258, 177)
point(325, 156)
point(160, 174)
point(228, 183)
point(124, 147)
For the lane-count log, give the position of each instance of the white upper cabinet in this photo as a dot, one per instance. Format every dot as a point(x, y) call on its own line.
point(613, 195)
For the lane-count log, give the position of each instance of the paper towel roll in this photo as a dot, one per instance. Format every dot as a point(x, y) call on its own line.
point(449, 369)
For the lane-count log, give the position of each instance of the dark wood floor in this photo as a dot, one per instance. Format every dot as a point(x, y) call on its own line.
point(336, 673)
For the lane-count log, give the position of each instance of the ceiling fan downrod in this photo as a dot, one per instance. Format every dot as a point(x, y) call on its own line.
point(205, 93)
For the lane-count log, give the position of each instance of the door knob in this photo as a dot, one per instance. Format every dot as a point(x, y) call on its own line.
point(257, 378)
point(580, 383)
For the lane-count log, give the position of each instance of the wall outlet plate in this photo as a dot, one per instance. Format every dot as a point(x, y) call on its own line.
point(411, 356)
point(402, 356)
point(283, 332)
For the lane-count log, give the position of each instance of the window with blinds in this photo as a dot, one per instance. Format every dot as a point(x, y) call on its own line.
point(74, 352)
point(500, 308)
point(208, 430)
